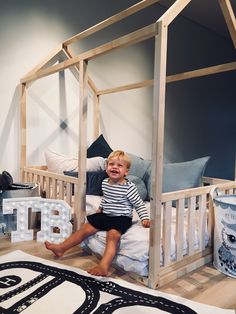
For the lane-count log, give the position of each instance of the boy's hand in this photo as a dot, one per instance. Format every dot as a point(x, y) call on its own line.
point(146, 223)
point(99, 210)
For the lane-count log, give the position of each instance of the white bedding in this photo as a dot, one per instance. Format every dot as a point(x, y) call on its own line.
point(132, 255)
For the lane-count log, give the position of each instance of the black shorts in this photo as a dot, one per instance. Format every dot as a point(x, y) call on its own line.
point(104, 222)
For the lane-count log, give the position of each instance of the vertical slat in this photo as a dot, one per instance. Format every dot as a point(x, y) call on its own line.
point(54, 188)
point(23, 175)
point(41, 182)
point(48, 187)
point(210, 222)
point(36, 179)
point(76, 207)
point(30, 177)
point(166, 238)
point(96, 116)
point(61, 190)
point(80, 196)
point(157, 152)
point(202, 220)
point(69, 193)
point(179, 237)
point(191, 224)
point(23, 128)
point(26, 177)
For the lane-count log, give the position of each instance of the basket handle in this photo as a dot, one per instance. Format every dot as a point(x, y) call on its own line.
point(215, 192)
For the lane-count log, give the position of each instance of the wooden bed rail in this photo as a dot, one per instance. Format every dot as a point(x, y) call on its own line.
point(191, 210)
point(194, 214)
point(52, 185)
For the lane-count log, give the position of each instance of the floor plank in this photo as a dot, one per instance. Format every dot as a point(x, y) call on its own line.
point(206, 285)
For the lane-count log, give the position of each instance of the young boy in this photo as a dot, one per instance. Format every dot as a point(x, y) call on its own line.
point(114, 214)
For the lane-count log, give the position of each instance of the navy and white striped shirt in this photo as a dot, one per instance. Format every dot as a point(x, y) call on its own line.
point(120, 199)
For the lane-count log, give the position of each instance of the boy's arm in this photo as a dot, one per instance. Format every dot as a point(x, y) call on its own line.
point(139, 206)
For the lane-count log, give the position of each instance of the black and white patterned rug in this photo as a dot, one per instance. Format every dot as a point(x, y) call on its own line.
point(29, 284)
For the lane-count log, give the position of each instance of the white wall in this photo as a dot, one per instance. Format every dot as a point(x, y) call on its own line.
point(27, 35)
point(30, 30)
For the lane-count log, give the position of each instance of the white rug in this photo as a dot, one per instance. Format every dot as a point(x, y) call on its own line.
point(33, 285)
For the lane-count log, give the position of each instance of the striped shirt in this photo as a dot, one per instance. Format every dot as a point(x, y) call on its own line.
point(120, 199)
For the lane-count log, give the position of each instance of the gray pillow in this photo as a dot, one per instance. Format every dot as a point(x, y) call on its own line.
point(140, 186)
point(139, 166)
point(180, 175)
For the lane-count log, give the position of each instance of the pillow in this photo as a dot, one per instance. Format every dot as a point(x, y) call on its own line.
point(180, 176)
point(59, 163)
point(99, 147)
point(71, 173)
point(96, 164)
point(183, 175)
point(93, 181)
point(140, 186)
point(139, 166)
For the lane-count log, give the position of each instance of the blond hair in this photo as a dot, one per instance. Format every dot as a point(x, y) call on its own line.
point(121, 155)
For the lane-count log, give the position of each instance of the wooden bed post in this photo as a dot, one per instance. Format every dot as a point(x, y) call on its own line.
point(23, 130)
point(159, 91)
point(157, 152)
point(96, 116)
point(80, 194)
point(230, 20)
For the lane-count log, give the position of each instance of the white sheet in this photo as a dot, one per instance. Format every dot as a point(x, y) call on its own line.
point(132, 255)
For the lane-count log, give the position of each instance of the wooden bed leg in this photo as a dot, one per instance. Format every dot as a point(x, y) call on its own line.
point(157, 154)
point(80, 195)
point(23, 130)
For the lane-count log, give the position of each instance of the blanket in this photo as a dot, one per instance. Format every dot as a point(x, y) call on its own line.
point(31, 285)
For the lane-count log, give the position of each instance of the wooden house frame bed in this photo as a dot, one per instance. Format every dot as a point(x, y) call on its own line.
point(60, 186)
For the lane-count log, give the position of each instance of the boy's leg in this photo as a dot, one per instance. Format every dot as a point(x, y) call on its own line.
point(112, 240)
point(75, 238)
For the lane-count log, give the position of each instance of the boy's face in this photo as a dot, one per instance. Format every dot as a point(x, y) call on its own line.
point(117, 169)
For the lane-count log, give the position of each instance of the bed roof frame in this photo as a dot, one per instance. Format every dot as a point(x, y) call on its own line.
point(78, 65)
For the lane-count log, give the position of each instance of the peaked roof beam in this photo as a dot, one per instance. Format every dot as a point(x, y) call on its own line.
point(230, 19)
point(111, 20)
point(124, 41)
point(48, 61)
point(67, 55)
point(173, 11)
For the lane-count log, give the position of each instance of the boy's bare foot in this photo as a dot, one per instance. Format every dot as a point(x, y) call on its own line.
point(55, 248)
point(98, 270)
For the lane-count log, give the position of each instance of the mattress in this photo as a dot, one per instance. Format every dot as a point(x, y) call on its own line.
point(133, 250)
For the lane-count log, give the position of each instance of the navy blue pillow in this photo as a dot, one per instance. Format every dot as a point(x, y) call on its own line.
point(94, 181)
point(99, 147)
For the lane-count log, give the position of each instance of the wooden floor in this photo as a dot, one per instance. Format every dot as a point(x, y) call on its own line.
point(206, 285)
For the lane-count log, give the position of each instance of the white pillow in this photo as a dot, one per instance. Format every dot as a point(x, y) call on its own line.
point(59, 163)
point(96, 164)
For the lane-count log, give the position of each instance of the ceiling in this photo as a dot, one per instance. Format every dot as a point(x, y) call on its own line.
point(206, 13)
